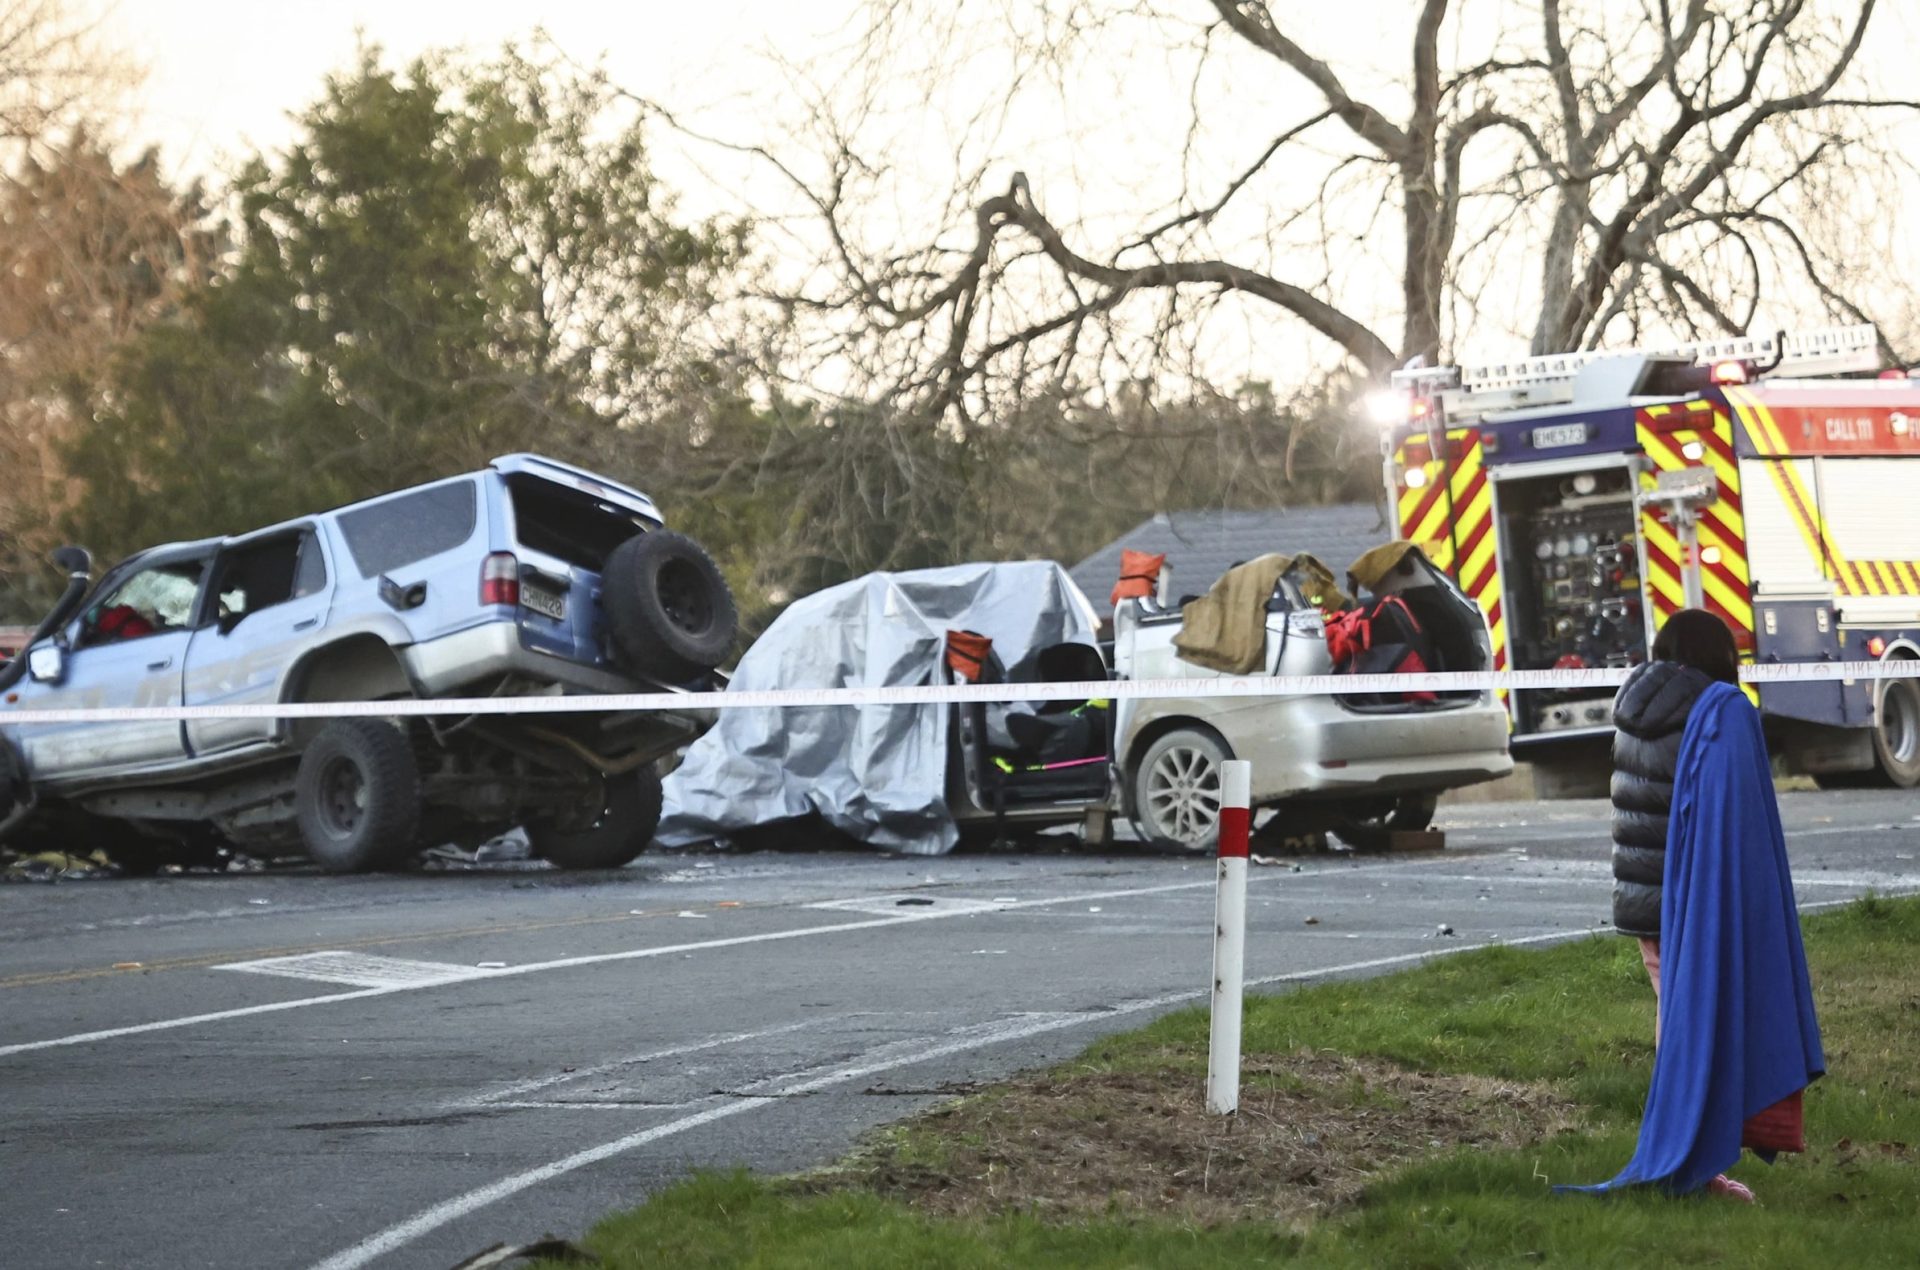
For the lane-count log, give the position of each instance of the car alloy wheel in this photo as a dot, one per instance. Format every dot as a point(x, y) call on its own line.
point(1177, 793)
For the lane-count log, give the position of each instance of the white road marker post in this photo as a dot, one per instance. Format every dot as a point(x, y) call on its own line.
point(1229, 938)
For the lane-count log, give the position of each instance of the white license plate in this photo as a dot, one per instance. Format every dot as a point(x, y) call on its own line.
point(545, 603)
point(1558, 435)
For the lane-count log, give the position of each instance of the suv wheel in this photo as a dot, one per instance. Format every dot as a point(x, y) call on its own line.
point(1176, 789)
point(357, 795)
point(670, 612)
point(620, 830)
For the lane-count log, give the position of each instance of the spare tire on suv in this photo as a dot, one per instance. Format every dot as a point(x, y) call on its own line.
point(670, 612)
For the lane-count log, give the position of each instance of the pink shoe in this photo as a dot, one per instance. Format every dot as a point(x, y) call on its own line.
point(1726, 1186)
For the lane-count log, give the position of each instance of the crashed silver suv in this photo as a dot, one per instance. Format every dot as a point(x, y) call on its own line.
point(531, 577)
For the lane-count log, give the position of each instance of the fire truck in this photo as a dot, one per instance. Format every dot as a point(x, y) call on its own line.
point(1582, 499)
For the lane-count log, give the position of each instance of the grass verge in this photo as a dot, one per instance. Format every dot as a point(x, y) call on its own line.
point(1413, 1120)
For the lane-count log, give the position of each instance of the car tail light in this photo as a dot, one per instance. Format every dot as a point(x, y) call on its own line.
point(500, 579)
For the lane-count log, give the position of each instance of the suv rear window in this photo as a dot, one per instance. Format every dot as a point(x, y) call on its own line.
point(398, 531)
point(569, 524)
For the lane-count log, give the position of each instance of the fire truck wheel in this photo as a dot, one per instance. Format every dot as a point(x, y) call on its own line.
point(1896, 733)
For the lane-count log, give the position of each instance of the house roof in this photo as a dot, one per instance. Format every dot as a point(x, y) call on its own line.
point(1202, 545)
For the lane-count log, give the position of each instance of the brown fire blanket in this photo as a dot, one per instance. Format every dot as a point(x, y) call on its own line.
point(1226, 629)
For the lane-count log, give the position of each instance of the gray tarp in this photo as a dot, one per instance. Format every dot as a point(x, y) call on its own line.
point(877, 774)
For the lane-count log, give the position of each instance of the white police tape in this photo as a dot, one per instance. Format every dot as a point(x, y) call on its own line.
point(947, 694)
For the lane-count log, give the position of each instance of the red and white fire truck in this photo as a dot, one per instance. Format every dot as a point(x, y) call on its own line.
point(1582, 499)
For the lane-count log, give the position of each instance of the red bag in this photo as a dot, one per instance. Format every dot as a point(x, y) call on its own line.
point(1781, 1127)
point(1382, 637)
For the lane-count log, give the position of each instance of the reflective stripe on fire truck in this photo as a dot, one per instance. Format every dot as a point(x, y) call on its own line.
point(1725, 582)
point(1723, 533)
point(1849, 577)
point(1451, 518)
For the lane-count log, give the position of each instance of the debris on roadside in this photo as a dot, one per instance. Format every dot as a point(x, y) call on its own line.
point(57, 866)
point(548, 1248)
point(1311, 921)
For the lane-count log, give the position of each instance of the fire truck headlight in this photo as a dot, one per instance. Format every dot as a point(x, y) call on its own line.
point(1710, 555)
point(1416, 478)
point(1387, 408)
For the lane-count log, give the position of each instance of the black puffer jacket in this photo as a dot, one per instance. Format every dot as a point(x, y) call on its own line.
point(1649, 717)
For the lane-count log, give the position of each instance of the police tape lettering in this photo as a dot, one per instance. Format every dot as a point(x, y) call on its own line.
point(946, 694)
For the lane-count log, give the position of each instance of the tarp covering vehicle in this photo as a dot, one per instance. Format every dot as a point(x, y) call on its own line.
point(878, 774)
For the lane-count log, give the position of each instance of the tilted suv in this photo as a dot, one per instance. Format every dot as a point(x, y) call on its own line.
point(530, 577)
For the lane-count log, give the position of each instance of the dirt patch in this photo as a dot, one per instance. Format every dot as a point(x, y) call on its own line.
point(1312, 1130)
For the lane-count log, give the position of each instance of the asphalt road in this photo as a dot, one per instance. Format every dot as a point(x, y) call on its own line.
point(399, 1071)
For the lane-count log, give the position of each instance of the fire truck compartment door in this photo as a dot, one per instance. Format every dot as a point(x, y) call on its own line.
point(1786, 550)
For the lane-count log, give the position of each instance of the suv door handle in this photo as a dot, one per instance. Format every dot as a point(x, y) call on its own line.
point(162, 664)
point(307, 625)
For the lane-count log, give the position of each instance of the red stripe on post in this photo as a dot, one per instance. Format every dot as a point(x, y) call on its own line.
point(1235, 823)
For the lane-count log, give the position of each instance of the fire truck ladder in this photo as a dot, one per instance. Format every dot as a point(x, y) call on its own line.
point(1472, 391)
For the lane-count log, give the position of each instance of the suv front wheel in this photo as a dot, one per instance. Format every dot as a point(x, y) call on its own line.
point(357, 796)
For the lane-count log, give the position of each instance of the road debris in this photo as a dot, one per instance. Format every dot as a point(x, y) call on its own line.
point(687, 912)
point(1311, 921)
point(562, 1251)
point(490, 965)
point(57, 866)
point(127, 965)
point(913, 901)
point(1443, 929)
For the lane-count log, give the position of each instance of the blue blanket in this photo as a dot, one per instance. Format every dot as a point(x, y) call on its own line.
point(1737, 1027)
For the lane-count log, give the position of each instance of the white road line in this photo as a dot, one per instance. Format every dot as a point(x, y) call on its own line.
point(594, 959)
point(520, 1088)
point(163, 1025)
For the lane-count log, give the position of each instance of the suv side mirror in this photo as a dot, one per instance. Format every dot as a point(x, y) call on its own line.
point(47, 663)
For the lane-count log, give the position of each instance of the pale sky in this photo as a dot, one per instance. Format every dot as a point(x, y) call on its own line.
point(223, 76)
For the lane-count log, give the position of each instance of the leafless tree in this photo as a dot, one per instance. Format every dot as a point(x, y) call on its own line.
point(1569, 171)
point(56, 68)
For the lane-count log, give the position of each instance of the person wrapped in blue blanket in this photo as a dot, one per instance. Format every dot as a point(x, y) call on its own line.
point(1737, 1039)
